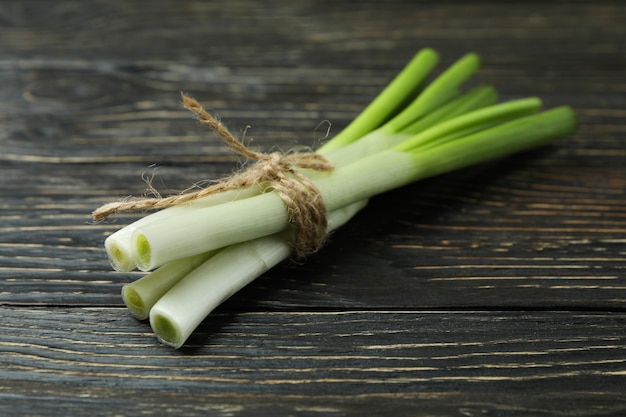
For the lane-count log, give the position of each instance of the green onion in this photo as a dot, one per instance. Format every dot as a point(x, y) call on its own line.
point(205, 250)
point(403, 88)
point(373, 130)
point(209, 228)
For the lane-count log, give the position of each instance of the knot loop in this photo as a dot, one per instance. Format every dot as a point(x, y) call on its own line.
point(305, 207)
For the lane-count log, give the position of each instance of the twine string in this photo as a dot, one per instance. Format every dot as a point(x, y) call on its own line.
point(306, 209)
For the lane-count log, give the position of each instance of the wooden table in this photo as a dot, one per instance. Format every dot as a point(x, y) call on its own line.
point(496, 290)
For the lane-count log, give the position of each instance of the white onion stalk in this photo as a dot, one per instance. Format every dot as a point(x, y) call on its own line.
point(179, 311)
point(118, 245)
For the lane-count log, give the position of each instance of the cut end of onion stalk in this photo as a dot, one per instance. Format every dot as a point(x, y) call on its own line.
point(142, 252)
point(166, 330)
point(119, 260)
point(120, 256)
point(134, 303)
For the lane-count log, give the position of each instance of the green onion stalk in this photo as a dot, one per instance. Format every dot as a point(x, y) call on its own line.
point(201, 252)
point(374, 120)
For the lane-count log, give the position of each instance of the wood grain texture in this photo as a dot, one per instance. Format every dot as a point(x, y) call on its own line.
point(332, 362)
point(496, 290)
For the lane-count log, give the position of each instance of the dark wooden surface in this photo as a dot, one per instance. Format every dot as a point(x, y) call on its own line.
point(498, 290)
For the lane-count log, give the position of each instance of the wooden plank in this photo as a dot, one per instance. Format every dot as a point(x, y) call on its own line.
point(333, 362)
point(39, 397)
point(498, 290)
point(544, 228)
point(515, 233)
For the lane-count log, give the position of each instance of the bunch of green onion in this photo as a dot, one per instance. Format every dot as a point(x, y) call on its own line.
point(202, 252)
